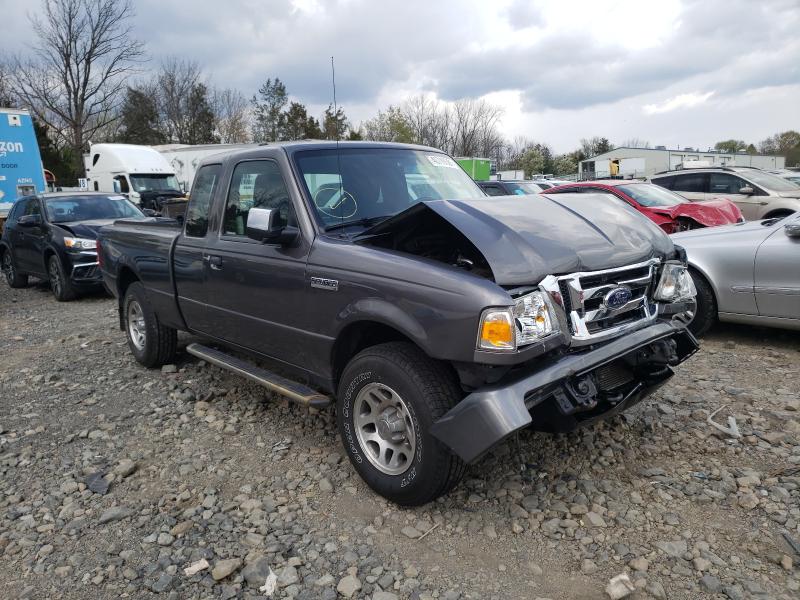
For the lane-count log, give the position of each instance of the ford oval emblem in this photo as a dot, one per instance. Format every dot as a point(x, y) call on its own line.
point(617, 298)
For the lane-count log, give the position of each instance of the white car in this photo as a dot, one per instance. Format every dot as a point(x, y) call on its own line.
point(758, 194)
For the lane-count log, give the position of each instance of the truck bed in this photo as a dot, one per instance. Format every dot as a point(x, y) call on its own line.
point(148, 244)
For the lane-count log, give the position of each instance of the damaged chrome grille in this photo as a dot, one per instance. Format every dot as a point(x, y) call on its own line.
point(599, 305)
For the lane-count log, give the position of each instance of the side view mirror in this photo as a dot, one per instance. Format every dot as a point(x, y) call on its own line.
point(747, 190)
point(149, 212)
point(263, 226)
point(792, 229)
point(29, 220)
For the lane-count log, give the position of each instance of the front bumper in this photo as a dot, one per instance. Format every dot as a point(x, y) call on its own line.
point(84, 270)
point(567, 391)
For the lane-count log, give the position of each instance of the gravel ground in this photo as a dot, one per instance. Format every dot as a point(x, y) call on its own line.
point(114, 479)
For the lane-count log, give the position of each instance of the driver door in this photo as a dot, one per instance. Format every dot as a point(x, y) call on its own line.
point(253, 288)
point(29, 241)
point(725, 185)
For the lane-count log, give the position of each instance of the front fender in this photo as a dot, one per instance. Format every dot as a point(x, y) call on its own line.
point(381, 311)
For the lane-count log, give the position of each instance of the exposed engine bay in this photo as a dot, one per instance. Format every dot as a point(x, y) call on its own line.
point(422, 232)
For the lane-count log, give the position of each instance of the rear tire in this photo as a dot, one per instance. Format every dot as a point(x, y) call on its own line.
point(60, 284)
point(151, 343)
point(403, 391)
point(13, 278)
point(706, 313)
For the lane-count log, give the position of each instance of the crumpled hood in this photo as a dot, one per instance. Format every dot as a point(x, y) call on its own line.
point(526, 238)
point(710, 213)
point(85, 229)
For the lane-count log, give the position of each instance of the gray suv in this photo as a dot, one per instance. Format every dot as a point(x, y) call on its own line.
point(758, 194)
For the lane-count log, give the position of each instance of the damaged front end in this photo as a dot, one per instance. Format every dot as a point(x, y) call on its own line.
point(569, 391)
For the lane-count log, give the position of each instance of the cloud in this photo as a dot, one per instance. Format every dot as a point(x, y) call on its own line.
point(570, 61)
point(681, 101)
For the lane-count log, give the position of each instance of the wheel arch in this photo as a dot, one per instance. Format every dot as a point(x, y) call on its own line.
point(704, 275)
point(125, 278)
point(358, 336)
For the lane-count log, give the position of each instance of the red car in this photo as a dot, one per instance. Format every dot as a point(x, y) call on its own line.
point(666, 209)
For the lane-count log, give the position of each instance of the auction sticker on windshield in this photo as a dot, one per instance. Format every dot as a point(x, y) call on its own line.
point(440, 160)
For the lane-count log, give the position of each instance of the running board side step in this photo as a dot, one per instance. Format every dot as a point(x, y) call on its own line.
point(294, 391)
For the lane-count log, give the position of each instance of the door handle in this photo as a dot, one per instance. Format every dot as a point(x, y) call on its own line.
point(215, 262)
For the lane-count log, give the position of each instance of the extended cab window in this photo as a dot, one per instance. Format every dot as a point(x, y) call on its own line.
point(256, 184)
point(205, 184)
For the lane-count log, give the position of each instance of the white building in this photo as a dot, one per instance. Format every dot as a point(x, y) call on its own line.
point(644, 162)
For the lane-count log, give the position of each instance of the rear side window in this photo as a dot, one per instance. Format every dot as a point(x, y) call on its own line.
point(205, 184)
point(665, 182)
point(692, 182)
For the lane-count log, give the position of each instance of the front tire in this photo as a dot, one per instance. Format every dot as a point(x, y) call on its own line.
point(389, 397)
point(151, 343)
point(59, 282)
point(706, 312)
point(13, 278)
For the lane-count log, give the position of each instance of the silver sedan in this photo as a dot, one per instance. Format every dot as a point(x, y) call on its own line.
point(746, 273)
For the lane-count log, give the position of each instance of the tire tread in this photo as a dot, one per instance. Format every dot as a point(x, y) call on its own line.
point(442, 394)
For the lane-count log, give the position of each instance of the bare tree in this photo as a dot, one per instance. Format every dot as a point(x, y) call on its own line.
point(428, 120)
point(6, 96)
point(74, 83)
point(176, 80)
point(474, 128)
point(231, 116)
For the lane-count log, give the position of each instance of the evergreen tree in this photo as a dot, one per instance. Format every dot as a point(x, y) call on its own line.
point(268, 107)
point(140, 122)
point(334, 124)
point(200, 117)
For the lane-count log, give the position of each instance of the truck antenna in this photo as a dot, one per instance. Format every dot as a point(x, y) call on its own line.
point(338, 155)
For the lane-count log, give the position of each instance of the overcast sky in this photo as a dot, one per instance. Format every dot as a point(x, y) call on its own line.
point(672, 72)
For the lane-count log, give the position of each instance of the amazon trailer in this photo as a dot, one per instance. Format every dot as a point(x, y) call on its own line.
point(21, 171)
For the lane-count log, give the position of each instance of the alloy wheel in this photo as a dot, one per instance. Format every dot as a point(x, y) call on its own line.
point(137, 330)
point(384, 428)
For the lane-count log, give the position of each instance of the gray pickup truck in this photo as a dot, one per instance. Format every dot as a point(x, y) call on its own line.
point(380, 278)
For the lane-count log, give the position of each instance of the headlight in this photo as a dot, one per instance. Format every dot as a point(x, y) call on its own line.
point(675, 284)
point(80, 243)
point(530, 319)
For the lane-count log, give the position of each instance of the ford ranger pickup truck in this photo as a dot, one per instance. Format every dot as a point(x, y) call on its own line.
point(380, 278)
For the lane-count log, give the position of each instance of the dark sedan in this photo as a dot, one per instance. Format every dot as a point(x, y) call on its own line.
point(53, 237)
point(510, 188)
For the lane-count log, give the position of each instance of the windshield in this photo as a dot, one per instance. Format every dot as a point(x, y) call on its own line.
point(647, 194)
point(522, 189)
point(89, 208)
point(157, 183)
point(361, 185)
point(769, 181)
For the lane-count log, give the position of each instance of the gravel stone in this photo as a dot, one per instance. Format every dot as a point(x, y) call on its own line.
point(224, 568)
point(216, 469)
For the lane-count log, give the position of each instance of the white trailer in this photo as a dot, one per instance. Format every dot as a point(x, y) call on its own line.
point(184, 159)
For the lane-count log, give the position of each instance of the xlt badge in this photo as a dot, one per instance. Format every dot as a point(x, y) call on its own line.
point(325, 284)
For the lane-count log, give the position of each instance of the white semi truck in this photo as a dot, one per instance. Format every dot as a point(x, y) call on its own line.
point(139, 172)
